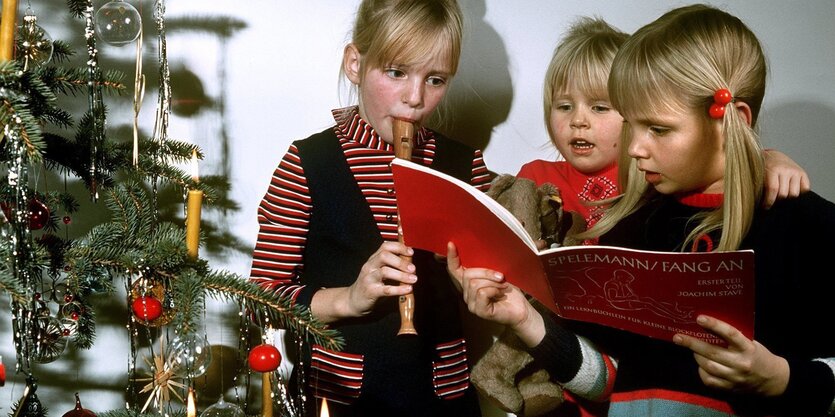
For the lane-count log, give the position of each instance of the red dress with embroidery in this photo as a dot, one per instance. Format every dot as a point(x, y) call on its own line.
point(576, 188)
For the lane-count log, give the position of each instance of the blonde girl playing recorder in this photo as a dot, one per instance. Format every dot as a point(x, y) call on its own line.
point(328, 225)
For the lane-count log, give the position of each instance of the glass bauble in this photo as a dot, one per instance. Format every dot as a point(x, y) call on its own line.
point(30, 405)
point(118, 23)
point(38, 214)
point(34, 45)
point(191, 355)
point(49, 339)
point(222, 409)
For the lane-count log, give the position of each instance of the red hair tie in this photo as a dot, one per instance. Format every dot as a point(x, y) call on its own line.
point(721, 98)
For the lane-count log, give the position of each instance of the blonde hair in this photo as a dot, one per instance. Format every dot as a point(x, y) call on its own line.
point(583, 60)
point(407, 32)
point(679, 61)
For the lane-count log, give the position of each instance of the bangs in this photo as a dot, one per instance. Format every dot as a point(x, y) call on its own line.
point(586, 73)
point(419, 46)
point(588, 79)
point(640, 88)
point(417, 37)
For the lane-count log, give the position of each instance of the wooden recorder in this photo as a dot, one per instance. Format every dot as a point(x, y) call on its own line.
point(403, 133)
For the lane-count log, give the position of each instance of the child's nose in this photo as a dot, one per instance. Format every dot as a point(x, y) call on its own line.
point(413, 94)
point(579, 120)
point(636, 147)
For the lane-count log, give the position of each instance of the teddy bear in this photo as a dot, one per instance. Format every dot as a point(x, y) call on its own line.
point(503, 374)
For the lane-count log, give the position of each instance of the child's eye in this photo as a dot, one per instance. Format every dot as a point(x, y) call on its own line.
point(563, 107)
point(436, 81)
point(394, 73)
point(600, 108)
point(659, 130)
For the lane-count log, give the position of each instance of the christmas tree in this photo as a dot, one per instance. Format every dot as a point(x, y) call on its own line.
point(134, 253)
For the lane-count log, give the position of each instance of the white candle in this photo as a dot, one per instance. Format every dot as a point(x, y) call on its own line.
point(7, 29)
point(193, 208)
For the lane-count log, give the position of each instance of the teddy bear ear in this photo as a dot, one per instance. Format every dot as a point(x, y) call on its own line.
point(549, 189)
point(500, 184)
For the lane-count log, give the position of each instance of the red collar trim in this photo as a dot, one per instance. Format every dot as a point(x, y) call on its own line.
point(351, 126)
point(701, 200)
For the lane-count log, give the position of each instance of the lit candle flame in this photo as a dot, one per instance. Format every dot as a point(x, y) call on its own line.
point(191, 410)
point(324, 411)
point(194, 174)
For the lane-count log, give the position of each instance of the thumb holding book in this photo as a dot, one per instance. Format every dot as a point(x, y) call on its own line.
point(489, 296)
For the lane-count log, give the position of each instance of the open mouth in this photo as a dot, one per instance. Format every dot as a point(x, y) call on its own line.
point(581, 144)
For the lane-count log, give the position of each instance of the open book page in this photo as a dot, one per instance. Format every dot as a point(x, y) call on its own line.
point(440, 185)
point(435, 209)
point(656, 294)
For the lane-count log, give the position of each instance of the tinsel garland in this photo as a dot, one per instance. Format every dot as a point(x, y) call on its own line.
point(164, 99)
point(23, 312)
point(95, 99)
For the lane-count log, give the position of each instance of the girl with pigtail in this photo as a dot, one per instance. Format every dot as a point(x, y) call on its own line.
point(690, 86)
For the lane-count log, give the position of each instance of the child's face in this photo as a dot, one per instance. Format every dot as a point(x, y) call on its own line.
point(585, 130)
point(678, 152)
point(398, 91)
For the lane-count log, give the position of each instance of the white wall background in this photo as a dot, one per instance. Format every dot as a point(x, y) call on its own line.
point(274, 80)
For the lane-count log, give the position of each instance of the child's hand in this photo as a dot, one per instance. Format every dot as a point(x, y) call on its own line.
point(784, 178)
point(744, 365)
point(381, 276)
point(487, 294)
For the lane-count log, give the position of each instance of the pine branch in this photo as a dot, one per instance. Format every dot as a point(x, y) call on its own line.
point(132, 413)
point(176, 152)
point(190, 299)
point(15, 110)
point(61, 51)
point(77, 7)
point(280, 310)
point(131, 241)
point(10, 285)
point(75, 80)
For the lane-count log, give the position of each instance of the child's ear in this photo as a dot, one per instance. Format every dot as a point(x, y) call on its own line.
point(744, 110)
point(351, 63)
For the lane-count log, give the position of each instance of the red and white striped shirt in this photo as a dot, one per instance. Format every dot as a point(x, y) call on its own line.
point(284, 212)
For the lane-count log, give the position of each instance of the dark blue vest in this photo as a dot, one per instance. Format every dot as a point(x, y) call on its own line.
point(342, 236)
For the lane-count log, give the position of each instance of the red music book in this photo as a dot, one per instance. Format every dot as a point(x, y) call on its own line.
point(656, 294)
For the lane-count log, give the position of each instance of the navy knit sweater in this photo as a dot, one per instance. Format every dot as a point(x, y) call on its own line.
point(793, 242)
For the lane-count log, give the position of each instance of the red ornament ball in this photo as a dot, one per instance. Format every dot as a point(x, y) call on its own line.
point(147, 308)
point(264, 358)
point(79, 411)
point(68, 298)
point(38, 214)
point(67, 220)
